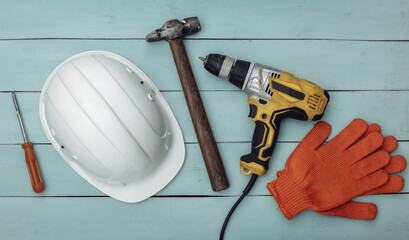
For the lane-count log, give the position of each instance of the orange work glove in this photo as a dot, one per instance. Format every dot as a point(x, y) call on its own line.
point(368, 211)
point(321, 177)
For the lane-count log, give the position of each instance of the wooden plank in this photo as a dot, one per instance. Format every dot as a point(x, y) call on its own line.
point(334, 65)
point(61, 180)
point(227, 112)
point(189, 218)
point(350, 19)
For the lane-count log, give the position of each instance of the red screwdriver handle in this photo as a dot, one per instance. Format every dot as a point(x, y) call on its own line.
point(33, 169)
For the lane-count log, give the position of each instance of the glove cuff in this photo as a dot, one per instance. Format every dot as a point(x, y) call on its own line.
point(290, 195)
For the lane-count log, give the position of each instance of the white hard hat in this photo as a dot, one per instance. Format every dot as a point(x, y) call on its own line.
point(111, 124)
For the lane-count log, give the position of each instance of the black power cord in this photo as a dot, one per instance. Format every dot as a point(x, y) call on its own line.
point(245, 192)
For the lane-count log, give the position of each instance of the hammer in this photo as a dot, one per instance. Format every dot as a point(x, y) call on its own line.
point(173, 32)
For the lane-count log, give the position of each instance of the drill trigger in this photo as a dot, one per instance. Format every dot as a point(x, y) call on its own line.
point(253, 111)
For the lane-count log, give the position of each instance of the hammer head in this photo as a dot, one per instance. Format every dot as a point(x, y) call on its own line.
point(175, 29)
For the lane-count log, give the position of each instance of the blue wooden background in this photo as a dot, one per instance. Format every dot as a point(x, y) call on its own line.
point(358, 50)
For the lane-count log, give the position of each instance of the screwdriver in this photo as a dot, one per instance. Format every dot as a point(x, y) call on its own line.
point(31, 159)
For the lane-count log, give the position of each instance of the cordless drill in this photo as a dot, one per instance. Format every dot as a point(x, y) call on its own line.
point(273, 96)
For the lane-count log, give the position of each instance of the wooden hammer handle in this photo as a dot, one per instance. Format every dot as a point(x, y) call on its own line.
point(211, 155)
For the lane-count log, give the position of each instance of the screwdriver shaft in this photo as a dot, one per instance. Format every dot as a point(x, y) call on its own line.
point(13, 94)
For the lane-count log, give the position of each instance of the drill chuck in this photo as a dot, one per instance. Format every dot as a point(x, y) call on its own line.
point(227, 68)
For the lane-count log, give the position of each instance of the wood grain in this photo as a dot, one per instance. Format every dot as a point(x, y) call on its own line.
point(210, 153)
point(189, 218)
point(334, 65)
point(297, 19)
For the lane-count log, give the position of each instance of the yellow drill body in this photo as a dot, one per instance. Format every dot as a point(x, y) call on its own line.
point(273, 96)
point(291, 97)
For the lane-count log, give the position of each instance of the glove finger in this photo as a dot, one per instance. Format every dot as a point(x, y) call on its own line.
point(396, 164)
point(394, 184)
point(316, 136)
point(364, 147)
point(372, 163)
point(389, 144)
point(370, 182)
point(354, 210)
point(373, 127)
point(349, 135)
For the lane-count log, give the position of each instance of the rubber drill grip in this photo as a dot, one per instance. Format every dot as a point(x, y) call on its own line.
point(262, 146)
point(33, 169)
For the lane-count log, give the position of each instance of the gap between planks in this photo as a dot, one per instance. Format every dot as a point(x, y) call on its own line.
point(188, 143)
point(210, 39)
point(175, 196)
point(238, 90)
